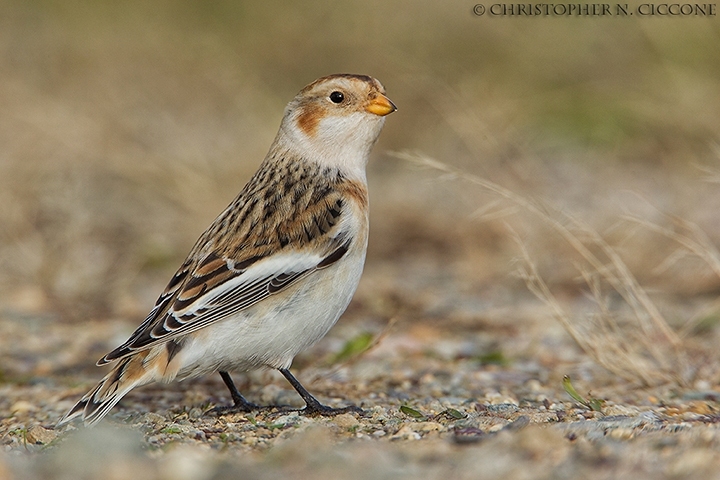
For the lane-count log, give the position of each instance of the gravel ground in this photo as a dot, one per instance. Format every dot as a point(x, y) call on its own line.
point(440, 400)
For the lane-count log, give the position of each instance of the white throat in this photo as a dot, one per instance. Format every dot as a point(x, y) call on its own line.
point(337, 142)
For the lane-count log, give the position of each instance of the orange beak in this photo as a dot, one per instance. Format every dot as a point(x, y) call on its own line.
point(381, 105)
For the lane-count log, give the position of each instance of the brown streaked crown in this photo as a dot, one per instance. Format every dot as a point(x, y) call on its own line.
point(315, 101)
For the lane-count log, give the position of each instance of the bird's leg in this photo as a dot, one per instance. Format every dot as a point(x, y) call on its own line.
point(240, 403)
point(312, 405)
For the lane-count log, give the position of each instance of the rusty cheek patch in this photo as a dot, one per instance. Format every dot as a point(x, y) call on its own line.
point(309, 119)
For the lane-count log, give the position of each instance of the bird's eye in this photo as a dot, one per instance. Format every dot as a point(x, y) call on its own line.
point(337, 97)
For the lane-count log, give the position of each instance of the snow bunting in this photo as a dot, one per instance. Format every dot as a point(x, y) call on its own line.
point(277, 268)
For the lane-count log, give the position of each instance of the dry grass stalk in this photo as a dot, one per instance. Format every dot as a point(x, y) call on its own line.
point(692, 240)
point(601, 337)
point(646, 349)
point(688, 234)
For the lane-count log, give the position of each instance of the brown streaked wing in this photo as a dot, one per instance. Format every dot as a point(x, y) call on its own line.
point(162, 305)
point(236, 241)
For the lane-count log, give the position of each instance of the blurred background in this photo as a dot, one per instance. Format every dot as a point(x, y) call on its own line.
point(125, 127)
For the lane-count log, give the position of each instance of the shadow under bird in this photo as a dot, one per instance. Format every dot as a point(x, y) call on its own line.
point(276, 269)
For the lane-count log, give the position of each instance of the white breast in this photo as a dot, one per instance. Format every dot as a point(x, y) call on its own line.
point(272, 332)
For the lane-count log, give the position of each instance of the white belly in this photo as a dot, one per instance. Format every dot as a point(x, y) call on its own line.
point(272, 332)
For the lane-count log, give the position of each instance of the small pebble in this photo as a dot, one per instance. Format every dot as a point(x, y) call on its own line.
point(154, 418)
point(427, 426)
point(346, 420)
point(291, 419)
point(496, 428)
point(533, 385)
point(250, 441)
point(621, 433)
point(40, 435)
point(406, 433)
point(502, 408)
point(195, 413)
point(22, 406)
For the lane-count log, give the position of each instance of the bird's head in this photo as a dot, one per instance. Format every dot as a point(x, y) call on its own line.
point(337, 119)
